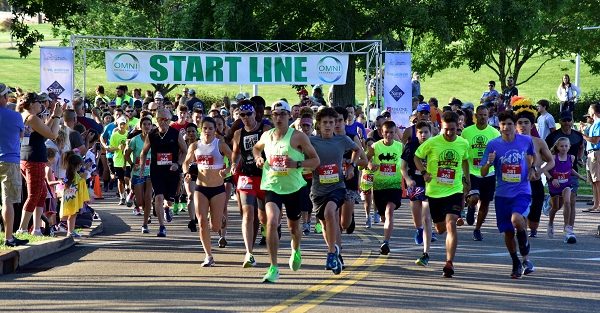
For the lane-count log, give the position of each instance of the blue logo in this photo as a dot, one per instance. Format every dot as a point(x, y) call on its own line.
point(55, 88)
point(396, 93)
point(330, 69)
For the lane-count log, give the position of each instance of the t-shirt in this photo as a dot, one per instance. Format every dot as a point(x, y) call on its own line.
point(544, 123)
point(353, 129)
point(594, 131)
point(11, 126)
point(478, 140)
point(387, 160)
point(116, 140)
point(133, 122)
point(75, 139)
point(136, 145)
point(108, 130)
point(512, 169)
point(408, 155)
point(89, 123)
point(575, 138)
point(178, 126)
point(444, 164)
point(329, 175)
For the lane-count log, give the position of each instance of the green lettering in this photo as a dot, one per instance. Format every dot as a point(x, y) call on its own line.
point(283, 69)
point(300, 69)
point(177, 59)
point(161, 73)
point(214, 69)
point(254, 78)
point(193, 69)
point(232, 63)
point(267, 66)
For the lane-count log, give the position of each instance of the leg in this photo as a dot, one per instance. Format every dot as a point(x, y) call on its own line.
point(331, 226)
point(566, 195)
point(452, 237)
point(8, 215)
point(573, 204)
point(159, 208)
point(416, 210)
point(346, 213)
point(273, 213)
point(426, 216)
point(368, 201)
point(201, 208)
point(555, 206)
point(388, 227)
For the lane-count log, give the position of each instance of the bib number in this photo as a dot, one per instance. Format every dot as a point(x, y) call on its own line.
point(277, 165)
point(244, 183)
point(477, 163)
point(205, 162)
point(164, 158)
point(366, 181)
point(387, 169)
point(329, 174)
point(445, 176)
point(563, 178)
point(511, 173)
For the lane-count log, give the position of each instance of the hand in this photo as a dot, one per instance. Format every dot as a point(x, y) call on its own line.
point(410, 182)
point(427, 177)
point(535, 176)
point(223, 172)
point(174, 167)
point(350, 172)
point(233, 170)
point(58, 110)
point(491, 157)
point(260, 162)
point(371, 166)
point(187, 178)
point(289, 163)
point(555, 183)
point(142, 167)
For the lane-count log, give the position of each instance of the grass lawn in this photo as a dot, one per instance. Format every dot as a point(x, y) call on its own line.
point(460, 82)
point(29, 237)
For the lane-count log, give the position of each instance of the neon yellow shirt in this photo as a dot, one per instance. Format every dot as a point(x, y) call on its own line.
point(478, 140)
point(388, 162)
point(118, 141)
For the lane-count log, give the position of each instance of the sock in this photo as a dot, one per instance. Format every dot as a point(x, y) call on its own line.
point(514, 258)
point(523, 243)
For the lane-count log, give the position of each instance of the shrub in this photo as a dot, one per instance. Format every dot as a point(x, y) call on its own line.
point(581, 107)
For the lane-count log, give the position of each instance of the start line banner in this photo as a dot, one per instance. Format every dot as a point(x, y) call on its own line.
point(240, 68)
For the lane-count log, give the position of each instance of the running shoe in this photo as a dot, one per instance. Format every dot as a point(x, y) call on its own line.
point(434, 237)
point(376, 218)
point(333, 263)
point(137, 211)
point(249, 261)
point(263, 241)
point(570, 235)
point(279, 231)
point(192, 226)
point(419, 236)
point(448, 269)
point(517, 270)
point(550, 231)
point(477, 235)
point(74, 234)
point(176, 208)
point(209, 261)
point(470, 215)
point(15, 242)
point(384, 249)
point(122, 201)
point(528, 267)
point(168, 215)
point(37, 233)
point(21, 231)
point(162, 232)
point(318, 228)
point(129, 199)
point(341, 261)
point(352, 226)
point(272, 275)
point(222, 242)
point(368, 223)
point(423, 260)
point(263, 230)
point(145, 229)
point(305, 229)
point(533, 233)
point(295, 260)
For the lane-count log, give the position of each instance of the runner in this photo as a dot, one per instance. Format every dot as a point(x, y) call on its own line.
point(384, 160)
point(142, 186)
point(210, 196)
point(482, 188)
point(191, 136)
point(287, 151)
point(221, 130)
point(446, 174)
point(248, 177)
point(168, 150)
point(512, 154)
point(415, 185)
point(367, 174)
point(328, 192)
point(117, 145)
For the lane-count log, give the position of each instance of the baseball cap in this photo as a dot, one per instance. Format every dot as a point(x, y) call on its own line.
point(240, 96)
point(566, 116)
point(121, 120)
point(4, 90)
point(491, 83)
point(43, 97)
point(281, 105)
point(121, 87)
point(191, 92)
point(467, 105)
point(159, 95)
point(423, 107)
point(112, 104)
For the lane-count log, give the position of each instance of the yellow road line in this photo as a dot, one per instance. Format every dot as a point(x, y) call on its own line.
point(341, 287)
point(289, 302)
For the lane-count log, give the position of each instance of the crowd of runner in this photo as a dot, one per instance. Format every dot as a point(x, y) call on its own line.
point(309, 161)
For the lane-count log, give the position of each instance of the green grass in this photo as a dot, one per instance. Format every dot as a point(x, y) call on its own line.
point(460, 82)
point(29, 237)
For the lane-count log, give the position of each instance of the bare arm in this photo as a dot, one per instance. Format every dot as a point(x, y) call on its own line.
point(225, 151)
point(546, 157)
point(257, 151)
point(235, 152)
point(49, 131)
point(362, 157)
point(311, 158)
point(189, 158)
point(182, 148)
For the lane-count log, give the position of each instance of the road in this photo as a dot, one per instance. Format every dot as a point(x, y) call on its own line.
point(122, 270)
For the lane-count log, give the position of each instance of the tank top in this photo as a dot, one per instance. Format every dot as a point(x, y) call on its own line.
point(208, 156)
point(562, 172)
point(247, 141)
point(33, 147)
point(351, 184)
point(388, 161)
point(275, 176)
point(164, 149)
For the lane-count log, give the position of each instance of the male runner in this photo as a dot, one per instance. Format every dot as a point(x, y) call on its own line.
point(446, 174)
point(287, 151)
point(482, 188)
point(512, 157)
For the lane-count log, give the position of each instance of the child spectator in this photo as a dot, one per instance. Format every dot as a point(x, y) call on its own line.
point(75, 193)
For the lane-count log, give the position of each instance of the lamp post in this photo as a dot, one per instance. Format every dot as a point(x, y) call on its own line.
point(578, 58)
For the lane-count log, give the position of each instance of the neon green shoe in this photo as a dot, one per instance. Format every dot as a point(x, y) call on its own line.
point(272, 275)
point(318, 228)
point(263, 230)
point(295, 260)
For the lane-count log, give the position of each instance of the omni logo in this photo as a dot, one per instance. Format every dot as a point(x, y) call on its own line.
point(125, 66)
point(330, 69)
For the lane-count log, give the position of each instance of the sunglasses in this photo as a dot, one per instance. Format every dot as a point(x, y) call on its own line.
point(245, 114)
point(153, 110)
point(128, 111)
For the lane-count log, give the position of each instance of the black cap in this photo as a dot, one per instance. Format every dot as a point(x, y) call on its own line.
point(566, 115)
point(492, 83)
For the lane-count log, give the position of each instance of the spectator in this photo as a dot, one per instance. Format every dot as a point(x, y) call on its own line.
point(490, 96)
point(545, 121)
point(87, 122)
point(593, 155)
point(185, 97)
point(75, 139)
point(435, 114)
point(416, 85)
point(508, 92)
point(194, 102)
point(318, 95)
point(567, 94)
point(100, 96)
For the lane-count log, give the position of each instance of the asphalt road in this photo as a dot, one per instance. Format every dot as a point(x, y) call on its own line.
point(122, 270)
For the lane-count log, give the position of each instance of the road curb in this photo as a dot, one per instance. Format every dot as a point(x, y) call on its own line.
point(12, 260)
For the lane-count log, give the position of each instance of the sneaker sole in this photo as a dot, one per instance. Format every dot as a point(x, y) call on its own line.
point(248, 264)
point(418, 262)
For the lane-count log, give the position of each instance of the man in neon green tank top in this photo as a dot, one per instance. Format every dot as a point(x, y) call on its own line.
point(384, 159)
point(287, 152)
point(447, 170)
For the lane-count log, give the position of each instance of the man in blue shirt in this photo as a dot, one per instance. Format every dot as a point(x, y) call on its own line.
point(11, 131)
point(512, 157)
point(490, 96)
point(593, 154)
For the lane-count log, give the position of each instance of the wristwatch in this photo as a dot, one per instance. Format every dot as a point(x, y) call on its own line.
point(299, 164)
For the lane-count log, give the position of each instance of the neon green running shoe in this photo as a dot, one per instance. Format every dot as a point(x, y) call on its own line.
point(272, 275)
point(295, 260)
point(263, 230)
point(318, 228)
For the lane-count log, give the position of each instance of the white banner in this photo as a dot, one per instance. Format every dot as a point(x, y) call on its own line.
point(397, 87)
point(226, 68)
point(56, 71)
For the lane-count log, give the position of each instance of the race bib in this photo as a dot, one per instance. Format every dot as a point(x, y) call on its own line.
point(137, 162)
point(563, 178)
point(511, 173)
point(329, 174)
point(164, 158)
point(205, 162)
point(477, 163)
point(244, 183)
point(445, 176)
point(277, 165)
point(387, 169)
point(366, 181)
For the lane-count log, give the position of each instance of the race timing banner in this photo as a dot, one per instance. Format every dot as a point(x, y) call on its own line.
point(226, 68)
point(397, 87)
point(56, 71)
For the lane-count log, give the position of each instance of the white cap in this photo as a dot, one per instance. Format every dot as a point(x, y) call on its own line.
point(158, 95)
point(121, 120)
point(240, 96)
point(280, 105)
